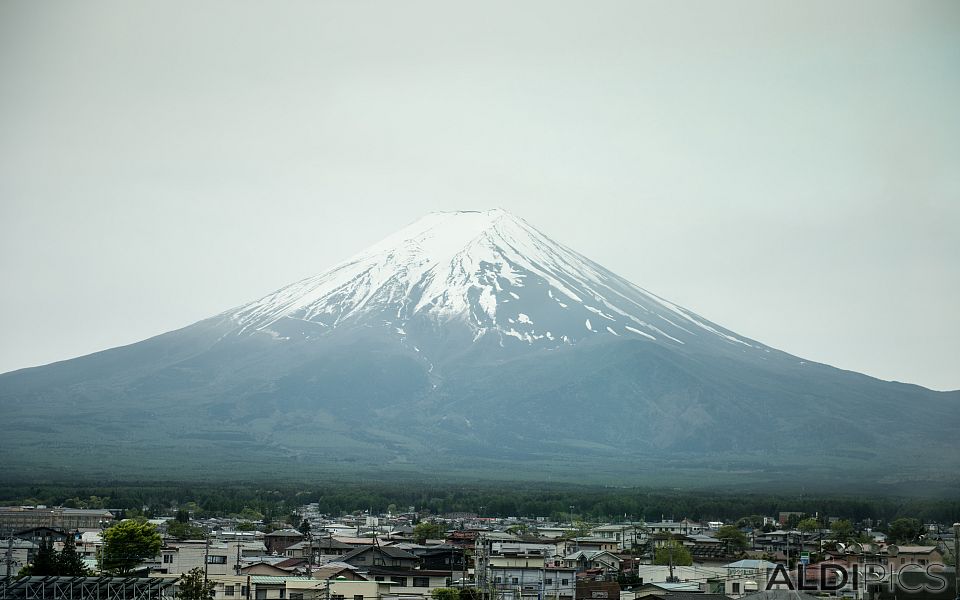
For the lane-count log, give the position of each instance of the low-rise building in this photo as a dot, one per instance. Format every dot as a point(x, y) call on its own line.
point(69, 519)
point(278, 541)
point(380, 556)
point(519, 583)
point(216, 557)
point(684, 527)
point(626, 535)
point(266, 587)
point(593, 560)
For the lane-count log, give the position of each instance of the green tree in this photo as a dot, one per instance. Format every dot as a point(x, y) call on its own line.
point(681, 556)
point(304, 527)
point(427, 530)
point(183, 516)
point(185, 531)
point(248, 514)
point(70, 563)
point(949, 559)
point(126, 545)
point(194, 586)
point(581, 527)
point(841, 530)
point(50, 562)
point(808, 525)
point(445, 594)
point(735, 539)
point(245, 526)
point(470, 593)
point(44, 562)
point(753, 521)
point(904, 530)
point(98, 501)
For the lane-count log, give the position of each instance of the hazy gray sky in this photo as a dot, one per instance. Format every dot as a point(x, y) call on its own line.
point(790, 170)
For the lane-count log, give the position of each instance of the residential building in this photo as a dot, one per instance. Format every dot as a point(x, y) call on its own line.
point(278, 541)
point(217, 558)
point(899, 556)
point(380, 556)
point(518, 583)
point(684, 527)
point(409, 582)
point(597, 590)
point(324, 549)
point(746, 576)
point(600, 561)
point(265, 587)
point(626, 535)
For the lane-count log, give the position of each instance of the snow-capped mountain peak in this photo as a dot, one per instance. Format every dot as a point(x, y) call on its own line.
point(489, 271)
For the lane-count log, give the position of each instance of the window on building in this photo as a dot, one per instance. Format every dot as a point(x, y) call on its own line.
point(736, 587)
point(261, 595)
point(564, 582)
point(214, 559)
point(283, 593)
point(497, 580)
point(228, 590)
point(243, 591)
point(296, 595)
point(167, 559)
point(358, 597)
point(400, 581)
point(378, 578)
point(421, 582)
point(548, 581)
point(336, 597)
point(515, 581)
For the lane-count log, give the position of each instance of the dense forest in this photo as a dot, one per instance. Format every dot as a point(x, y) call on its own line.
point(592, 503)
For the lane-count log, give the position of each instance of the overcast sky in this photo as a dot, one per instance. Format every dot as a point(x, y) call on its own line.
point(790, 170)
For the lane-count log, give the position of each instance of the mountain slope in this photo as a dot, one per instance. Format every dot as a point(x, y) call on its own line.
point(471, 341)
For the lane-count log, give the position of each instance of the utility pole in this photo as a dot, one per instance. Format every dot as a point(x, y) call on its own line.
point(787, 538)
point(238, 558)
point(956, 560)
point(309, 554)
point(9, 557)
point(206, 557)
point(672, 578)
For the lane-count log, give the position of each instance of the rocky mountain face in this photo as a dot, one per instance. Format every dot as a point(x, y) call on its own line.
point(471, 343)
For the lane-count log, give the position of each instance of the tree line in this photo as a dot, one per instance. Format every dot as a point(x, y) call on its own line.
point(258, 501)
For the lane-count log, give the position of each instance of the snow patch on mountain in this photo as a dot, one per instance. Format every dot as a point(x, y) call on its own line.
point(461, 268)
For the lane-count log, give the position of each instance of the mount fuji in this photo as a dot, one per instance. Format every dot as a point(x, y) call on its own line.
point(471, 343)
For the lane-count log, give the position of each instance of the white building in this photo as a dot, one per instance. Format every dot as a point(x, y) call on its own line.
point(220, 558)
point(626, 535)
point(518, 583)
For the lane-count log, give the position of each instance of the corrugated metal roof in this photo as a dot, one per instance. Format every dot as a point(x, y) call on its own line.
point(279, 579)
